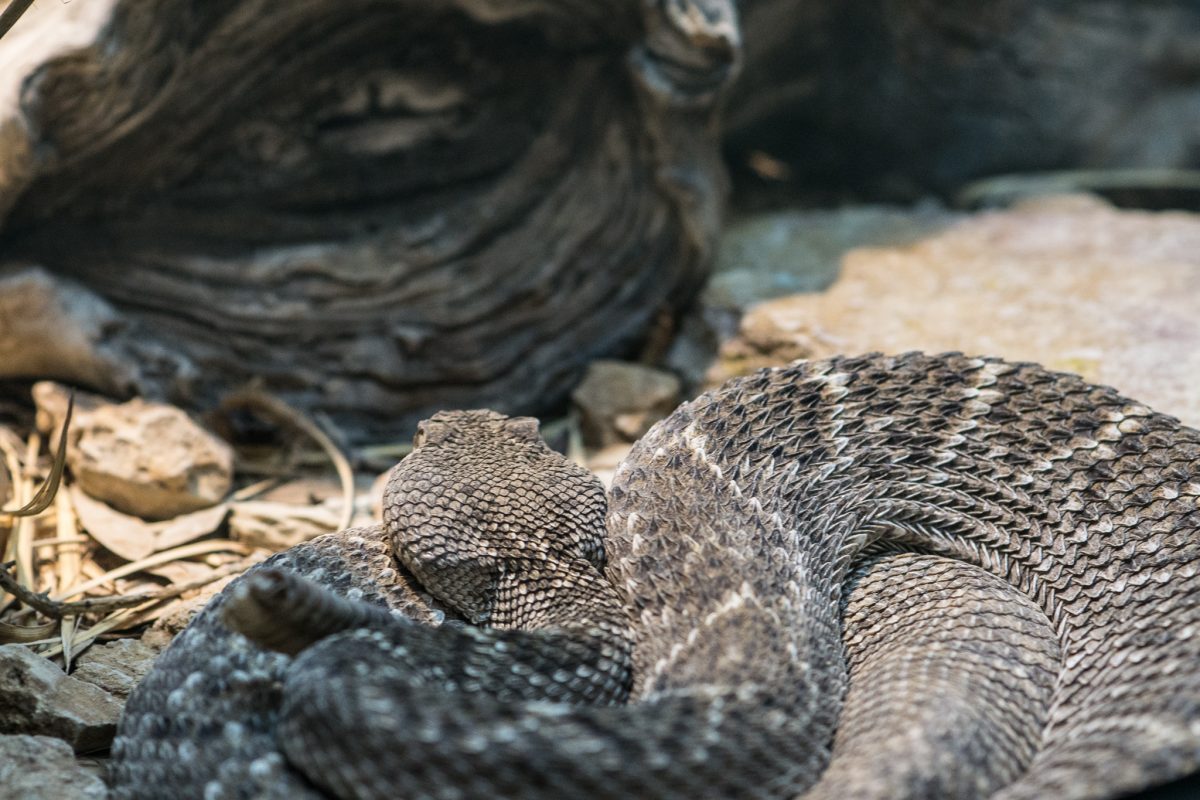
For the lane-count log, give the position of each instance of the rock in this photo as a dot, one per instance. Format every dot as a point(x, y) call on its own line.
point(37, 697)
point(278, 526)
point(1076, 285)
point(54, 327)
point(147, 459)
point(115, 667)
point(131, 537)
point(780, 253)
point(619, 401)
point(43, 768)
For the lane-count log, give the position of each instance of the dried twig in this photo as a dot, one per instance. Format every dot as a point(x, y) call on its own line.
point(66, 636)
point(123, 618)
point(164, 557)
point(10, 15)
point(258, 400)
point(59, 609)
point(1007, 188)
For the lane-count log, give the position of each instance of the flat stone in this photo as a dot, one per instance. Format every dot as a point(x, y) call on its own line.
point(788, 252)
point(1069, 282)
point(44, 768)
point(36, 697)
point(619, 401)
point(278, 526)
point(147, 459)
point(115, 667)
point(781, 253)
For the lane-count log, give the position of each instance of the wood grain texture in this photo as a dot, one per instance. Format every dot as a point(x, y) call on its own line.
point(381, 208)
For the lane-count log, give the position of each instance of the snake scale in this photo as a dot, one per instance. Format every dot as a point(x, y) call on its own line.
point(901, 576)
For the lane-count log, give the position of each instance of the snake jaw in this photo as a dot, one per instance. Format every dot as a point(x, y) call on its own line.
point(464, 583)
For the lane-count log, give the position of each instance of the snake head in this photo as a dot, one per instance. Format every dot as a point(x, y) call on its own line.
point(482, 497)
point(446, 426)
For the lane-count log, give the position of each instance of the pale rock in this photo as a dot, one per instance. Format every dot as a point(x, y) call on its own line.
point(36, 697)
point(147, 459)
point(1071, 283)
point(44, 768)
point(618, 401)
point(53, 326)
point(782, 253)
point(278, 526)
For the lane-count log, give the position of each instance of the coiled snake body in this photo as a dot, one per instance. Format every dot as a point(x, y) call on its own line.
point(1013, 555)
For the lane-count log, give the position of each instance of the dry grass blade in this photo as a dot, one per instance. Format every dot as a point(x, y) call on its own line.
point(115, 621)
point(25, 634)
point(68, 556)
point(14, 12)
point(389, 453)
point(60, 541)
point(255, 489)
point(66, 635)
point(257, 400)
point(45, 495)
point(165, 557)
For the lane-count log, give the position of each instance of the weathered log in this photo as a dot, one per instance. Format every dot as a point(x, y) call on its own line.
point(897, 98)
point(379, 207)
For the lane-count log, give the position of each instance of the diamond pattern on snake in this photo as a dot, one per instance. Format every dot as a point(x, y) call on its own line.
point(913, 576)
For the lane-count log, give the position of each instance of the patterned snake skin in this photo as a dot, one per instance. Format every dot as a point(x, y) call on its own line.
point(877, 577)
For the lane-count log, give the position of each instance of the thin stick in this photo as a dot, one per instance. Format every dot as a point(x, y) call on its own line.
point(22, 530)
point(68, 557)
point(1008, 187)
point(83, 639)
point(60, 541)
point(10, 15)
point(281, 411)
point(66, 635)
point(255, 489)
point(58, 609)
point(165, 557)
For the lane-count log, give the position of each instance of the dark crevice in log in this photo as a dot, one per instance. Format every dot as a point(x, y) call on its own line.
point(899, 99)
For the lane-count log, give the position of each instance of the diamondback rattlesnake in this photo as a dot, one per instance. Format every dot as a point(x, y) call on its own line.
point(1014, 555)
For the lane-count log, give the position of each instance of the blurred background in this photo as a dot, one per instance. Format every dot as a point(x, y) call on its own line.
point(262, 240)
